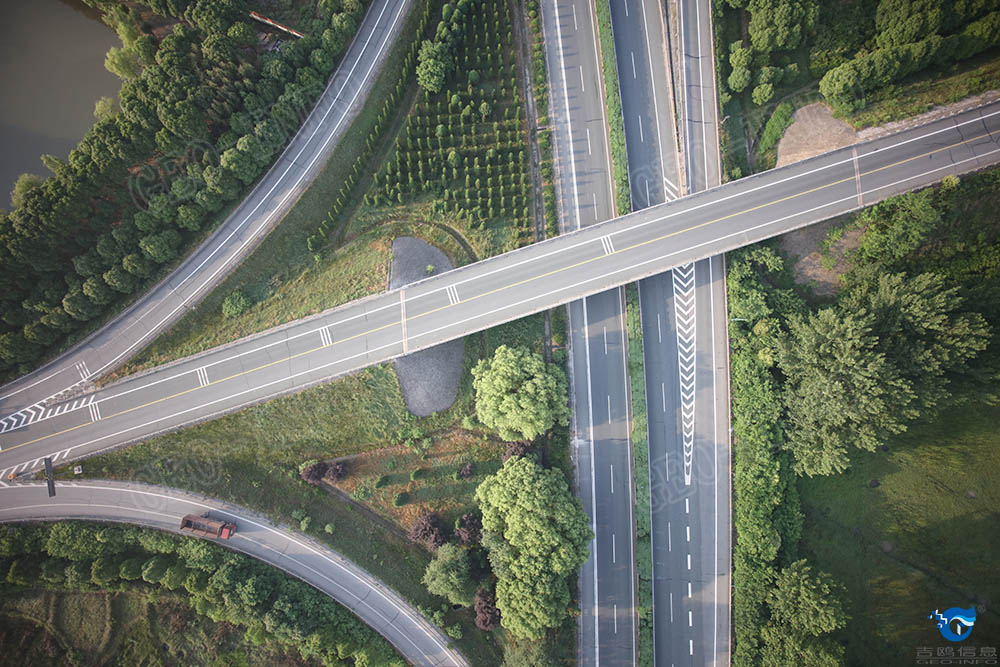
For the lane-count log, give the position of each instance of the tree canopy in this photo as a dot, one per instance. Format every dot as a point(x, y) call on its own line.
point(519, 395)
point(449, 575)
point(537, 536)
point(890, 352)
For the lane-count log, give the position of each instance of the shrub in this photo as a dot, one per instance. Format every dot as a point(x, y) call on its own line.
point(485, 606)
point(416, 474)
point(235, 304)
point(401, 499)
point(383, 480)
point(336, 471)
point(314, 472)
point(427, 530)
point(468, 528)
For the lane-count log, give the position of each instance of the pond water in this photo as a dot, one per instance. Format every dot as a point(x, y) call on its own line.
point(51, 74)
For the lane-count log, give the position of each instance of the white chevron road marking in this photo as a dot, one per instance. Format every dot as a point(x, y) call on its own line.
point(684, 311)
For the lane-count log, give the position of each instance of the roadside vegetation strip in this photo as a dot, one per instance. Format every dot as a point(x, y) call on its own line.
point(927, 256)
point(269, 604)
point(281, 280)
point(136, 192)
point(540, 85)
point(464, 144)
point(613, 105)
point(641, 474)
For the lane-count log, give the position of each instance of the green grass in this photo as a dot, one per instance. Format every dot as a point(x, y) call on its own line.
point(613, 104)
point(923, 92)
point(640, 456)
point(944, 543)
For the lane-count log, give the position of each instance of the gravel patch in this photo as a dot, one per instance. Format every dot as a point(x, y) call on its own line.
point(429, 378)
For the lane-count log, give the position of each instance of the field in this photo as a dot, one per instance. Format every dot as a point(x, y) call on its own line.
point(43, 627)
point(924, 539)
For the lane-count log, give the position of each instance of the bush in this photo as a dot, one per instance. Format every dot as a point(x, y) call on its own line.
point(383, 480)
point(416, 474)
point(336, 471)
point(485, 606)
point(401, 499)
point(314, 472)
point(428, 531)
point(468, 528)
point(235, 304)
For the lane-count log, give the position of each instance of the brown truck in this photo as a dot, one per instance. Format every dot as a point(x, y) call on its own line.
point(203, 526)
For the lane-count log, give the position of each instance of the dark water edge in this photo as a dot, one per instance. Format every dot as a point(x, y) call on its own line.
point(51, 74)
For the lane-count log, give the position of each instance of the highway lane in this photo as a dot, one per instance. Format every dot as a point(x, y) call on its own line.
point(505, 287)
point(599, 392)
point(689, 456)
point(653, 158)
point(698, 108)
point(161, 508)
point(236, 237)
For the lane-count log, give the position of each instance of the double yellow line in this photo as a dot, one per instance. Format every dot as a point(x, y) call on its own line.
point(513, 285)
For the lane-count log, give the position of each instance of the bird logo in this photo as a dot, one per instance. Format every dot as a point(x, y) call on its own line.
point(956, 623)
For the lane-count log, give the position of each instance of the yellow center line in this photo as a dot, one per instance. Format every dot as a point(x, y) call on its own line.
point(517, 284)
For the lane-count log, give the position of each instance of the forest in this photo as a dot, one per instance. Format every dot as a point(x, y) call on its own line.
point(909, 336)
point(220, 584)
point(201, 114)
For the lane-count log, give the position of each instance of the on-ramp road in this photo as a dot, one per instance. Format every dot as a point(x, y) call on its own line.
point(157, 507)
point(211, 262)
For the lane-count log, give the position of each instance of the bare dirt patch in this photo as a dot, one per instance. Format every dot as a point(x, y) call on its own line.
point(814, 131)
point(812, 267)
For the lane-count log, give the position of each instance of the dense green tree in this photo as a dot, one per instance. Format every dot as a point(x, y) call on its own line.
point(780, 25)
point(518, 394)
point(25, 184)
point(155, 568)
point(433, 64)
point(807, 601)
point(890, 352)
point(79, 306)
point(120, 280)
point(782, 647)
point(162, 247)
point(105, 570)
point(537, 536)
point(449, 575)
point(15, 348)
point(131, 569)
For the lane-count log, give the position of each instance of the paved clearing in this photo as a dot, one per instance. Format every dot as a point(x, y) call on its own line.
point(429, 378)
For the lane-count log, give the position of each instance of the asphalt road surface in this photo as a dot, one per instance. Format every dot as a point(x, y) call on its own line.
point(687, 391)
point(599, 391)
point(481, 295)
point(210, 263)
point(326, 570)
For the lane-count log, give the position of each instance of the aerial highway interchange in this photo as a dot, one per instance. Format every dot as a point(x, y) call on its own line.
point(673, 244)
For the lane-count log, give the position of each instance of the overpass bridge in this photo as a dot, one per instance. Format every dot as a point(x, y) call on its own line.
point(499, 289)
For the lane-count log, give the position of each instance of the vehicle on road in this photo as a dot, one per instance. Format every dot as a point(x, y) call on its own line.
point(203, 526)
